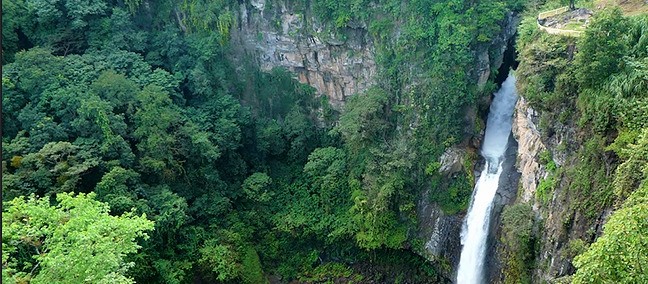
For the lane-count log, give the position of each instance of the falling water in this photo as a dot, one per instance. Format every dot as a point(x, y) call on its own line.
point(475, 229)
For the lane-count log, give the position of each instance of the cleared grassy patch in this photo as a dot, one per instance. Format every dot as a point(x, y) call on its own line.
point(629, 7)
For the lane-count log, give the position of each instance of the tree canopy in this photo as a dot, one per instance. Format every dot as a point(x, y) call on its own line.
point(75, 240)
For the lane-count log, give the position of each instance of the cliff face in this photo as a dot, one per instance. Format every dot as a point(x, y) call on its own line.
point(276, 35)
point(529, 148)
point(559, 228)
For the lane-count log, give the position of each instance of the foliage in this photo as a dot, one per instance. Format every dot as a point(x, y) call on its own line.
point(601, 48)
point(517, 243)
point(244, 172)
point(619, 255)
point(633, 171)
point(329, 272)
point(75, 240)
point(598, 83)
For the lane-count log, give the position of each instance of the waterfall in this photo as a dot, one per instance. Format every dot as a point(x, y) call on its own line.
point(475, 228)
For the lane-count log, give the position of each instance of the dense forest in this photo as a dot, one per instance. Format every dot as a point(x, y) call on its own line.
point(138, 146)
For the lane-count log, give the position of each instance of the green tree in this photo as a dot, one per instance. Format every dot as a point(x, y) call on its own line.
point(602, 47)
point(74, 241)
point(155, 120)
point(14, 14)
point(57, 167)
point(621, 254)
point(121, 189)
point(257, 187)
point(363, 119)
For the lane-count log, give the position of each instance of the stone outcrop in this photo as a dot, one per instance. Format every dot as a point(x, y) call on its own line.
point(440, 232)
point(529, 147)
point(277, 36)
point(452, 160)
point(491, 56)
point(557, 223)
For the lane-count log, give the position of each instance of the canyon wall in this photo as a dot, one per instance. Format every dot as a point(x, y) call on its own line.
point(277, 35)
point(558, 227)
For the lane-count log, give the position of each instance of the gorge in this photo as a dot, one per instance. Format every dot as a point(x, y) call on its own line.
point(477, 222)
point(329, 141)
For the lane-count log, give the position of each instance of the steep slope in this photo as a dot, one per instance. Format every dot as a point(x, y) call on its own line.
point(580, 116)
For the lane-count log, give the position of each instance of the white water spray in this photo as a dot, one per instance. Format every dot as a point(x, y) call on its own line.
point(476, 223)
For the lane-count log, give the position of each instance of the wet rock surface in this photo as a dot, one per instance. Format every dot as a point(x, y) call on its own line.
point(441, 234)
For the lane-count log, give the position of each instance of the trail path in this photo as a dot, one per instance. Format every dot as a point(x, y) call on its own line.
point(556, 31)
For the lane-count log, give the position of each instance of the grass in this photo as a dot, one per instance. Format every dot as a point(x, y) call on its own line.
point(629, 7)
point(574, 26)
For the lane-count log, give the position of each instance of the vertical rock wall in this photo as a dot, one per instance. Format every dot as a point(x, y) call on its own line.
point(556, 223)
point(276, 35)
point(529, 148)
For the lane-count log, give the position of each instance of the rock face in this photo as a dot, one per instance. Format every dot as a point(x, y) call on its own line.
point(441, 234)
point(529, 148)
point(452, 160)
point(279, 36)
point(556, 223)
point(491, 56)
point(438, 230)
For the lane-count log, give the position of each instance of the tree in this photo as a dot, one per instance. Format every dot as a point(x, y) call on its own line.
point(621, 254)
point(74, 241)
point(155, 119)
point(57, 167)
point(257, 187)
point(602, 48)
point(121, 189)
point(14, 14)
point(363, 119)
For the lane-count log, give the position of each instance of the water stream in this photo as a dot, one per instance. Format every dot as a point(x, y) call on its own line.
point(475, 229)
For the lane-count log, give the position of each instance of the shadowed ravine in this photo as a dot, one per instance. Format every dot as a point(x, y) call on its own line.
point(475, 229)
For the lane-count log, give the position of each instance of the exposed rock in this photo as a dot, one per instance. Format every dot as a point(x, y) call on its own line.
point(452, 160)
point(440, 233)
point(496, 47)
point(580, 15)
point(558, 222)
point(280, 37)
point(529, 147)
